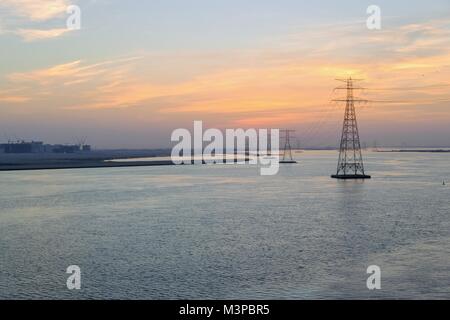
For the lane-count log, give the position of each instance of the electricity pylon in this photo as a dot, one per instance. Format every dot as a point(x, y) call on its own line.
point(287, 154)
point(350, 164)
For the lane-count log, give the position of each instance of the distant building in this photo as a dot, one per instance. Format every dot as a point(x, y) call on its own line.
point(67, 149)
point(40, 147)
point(22, 147)
point(86, 148)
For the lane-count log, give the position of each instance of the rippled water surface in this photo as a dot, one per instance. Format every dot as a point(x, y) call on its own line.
point(225, 232)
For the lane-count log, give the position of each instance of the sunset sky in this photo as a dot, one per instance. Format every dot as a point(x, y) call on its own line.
point(137, 69)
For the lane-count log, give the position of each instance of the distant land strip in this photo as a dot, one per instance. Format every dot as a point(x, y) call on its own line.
point(97, 159)
point(82, 165)
point(418, 150)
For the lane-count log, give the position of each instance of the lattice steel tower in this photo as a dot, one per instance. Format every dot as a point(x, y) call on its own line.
point(287, 154)
point(350, 164)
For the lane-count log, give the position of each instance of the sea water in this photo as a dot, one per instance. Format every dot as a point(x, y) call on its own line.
point(225, 232)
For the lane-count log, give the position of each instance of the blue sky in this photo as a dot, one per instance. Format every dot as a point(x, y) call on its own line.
point(122, 26)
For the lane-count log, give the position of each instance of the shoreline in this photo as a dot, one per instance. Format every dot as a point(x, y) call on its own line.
point(27, 162)
point(82, 165)
point(94, 159)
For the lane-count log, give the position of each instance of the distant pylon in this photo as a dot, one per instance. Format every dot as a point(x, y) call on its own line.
point(350, 163)
point(287, 154)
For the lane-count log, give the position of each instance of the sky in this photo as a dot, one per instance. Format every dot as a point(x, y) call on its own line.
point(137, 70)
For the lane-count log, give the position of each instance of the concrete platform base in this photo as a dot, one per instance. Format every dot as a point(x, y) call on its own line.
point(351, 176)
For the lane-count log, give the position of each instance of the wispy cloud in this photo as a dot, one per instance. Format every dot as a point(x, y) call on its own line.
point(36, 10)
point(13, 99)
point(75, 83)
point(13, 96)
point(31, 17)
point(30, 35)
point(51, 75)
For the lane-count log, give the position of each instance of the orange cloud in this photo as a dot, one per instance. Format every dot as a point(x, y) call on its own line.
point(37, 10)
point(36, 34)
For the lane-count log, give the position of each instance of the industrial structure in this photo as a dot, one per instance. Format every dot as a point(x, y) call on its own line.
point(287, 154)
point(39, 147)
point(350, 163)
